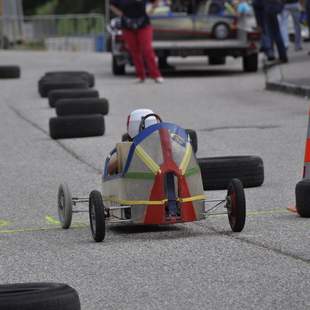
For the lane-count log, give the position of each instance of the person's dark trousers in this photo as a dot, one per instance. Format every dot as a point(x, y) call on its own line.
point(260, 16)
point(308, 15)
point(274, 30)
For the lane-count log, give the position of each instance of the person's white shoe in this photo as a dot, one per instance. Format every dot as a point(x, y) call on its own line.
point(139, 81)
point(159, 80)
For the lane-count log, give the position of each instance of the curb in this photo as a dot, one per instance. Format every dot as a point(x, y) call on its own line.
point(289, 88)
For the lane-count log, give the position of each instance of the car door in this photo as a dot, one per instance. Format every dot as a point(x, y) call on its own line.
point(173, 21)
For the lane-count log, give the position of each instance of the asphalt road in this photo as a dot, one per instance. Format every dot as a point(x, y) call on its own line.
point(198, 265)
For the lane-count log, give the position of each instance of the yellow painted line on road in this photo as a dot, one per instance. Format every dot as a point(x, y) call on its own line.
point(51, 220)
point(38, 229)
point(4, 223)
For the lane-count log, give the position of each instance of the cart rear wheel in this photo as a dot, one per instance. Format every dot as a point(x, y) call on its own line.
point(235, 205)
point(64, 205)
point(96, 216)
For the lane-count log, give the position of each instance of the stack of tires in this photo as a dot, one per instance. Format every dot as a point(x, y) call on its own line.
point(9, 72)
point(79, 109)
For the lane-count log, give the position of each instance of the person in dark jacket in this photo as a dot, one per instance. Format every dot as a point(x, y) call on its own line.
point(138, 35)
point(272, 9)
point(260, 16)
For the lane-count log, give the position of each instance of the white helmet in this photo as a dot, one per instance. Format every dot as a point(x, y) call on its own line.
point(134, 121)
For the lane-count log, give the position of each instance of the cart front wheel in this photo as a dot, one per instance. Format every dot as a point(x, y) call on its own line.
point(64, 206)
point(96, 216)
point(235, 204)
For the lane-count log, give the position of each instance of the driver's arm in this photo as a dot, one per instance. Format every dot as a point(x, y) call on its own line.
point(112, 166)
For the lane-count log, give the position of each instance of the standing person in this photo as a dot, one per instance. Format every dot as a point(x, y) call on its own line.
point(272, 9)
point(291, 7)
point(260, 16)
point(307, 10)
point(138, 35)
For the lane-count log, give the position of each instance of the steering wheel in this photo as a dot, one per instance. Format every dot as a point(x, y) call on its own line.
point(143, 119)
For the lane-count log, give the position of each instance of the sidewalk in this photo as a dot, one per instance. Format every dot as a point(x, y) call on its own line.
point(294, 77)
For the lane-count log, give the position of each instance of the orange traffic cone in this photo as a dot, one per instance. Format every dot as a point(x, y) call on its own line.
point(302, 189)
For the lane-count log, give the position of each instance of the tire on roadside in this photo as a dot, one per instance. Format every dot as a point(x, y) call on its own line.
point(89, 77)
point(76, 126)
point(216, 172)
point(194, 140)
point(49, 85)
point(57, 94)
point(302, 195)
point(9, 72)
point(82, 106)
point(38, 296)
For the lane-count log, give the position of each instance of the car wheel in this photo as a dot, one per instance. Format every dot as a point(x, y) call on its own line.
point(58, 94)
point(250, 63)
point(76, 126)
point(82, 106)
point(193, 138)
point(64, 206)
point(96, 216)
point(116, 68)
point(302, 194)
point(221, 31)
point(216, 172)
point(38, 296)
point(235, 204)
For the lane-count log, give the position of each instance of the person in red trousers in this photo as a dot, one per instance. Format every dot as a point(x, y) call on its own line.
point(138, 35)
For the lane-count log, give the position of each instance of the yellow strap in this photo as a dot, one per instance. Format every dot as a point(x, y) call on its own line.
point(186, 158)
point(152, 202)
point(193, 198)
point(150, 163)
point(136, 202)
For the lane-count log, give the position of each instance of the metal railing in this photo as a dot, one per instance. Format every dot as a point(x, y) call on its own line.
point(78, 32)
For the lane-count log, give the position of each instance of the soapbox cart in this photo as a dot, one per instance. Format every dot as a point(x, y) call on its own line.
point(158, 182)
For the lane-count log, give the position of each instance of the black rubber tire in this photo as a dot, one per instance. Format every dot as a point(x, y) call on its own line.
point(57, 94)
point(116, 68)
point(38, 296)
point(236, 205)
point(216, 172)
point(52, 84)
point(194, 140)
point(217, 60)
point(9, 72)
point(81, 106)
point(96, 216)
point(89, 77)
point(250, 63)
point(76, 126)
point(64, 198)
point(302, 194)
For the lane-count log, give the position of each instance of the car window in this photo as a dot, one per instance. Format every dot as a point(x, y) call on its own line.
point(175, 7)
